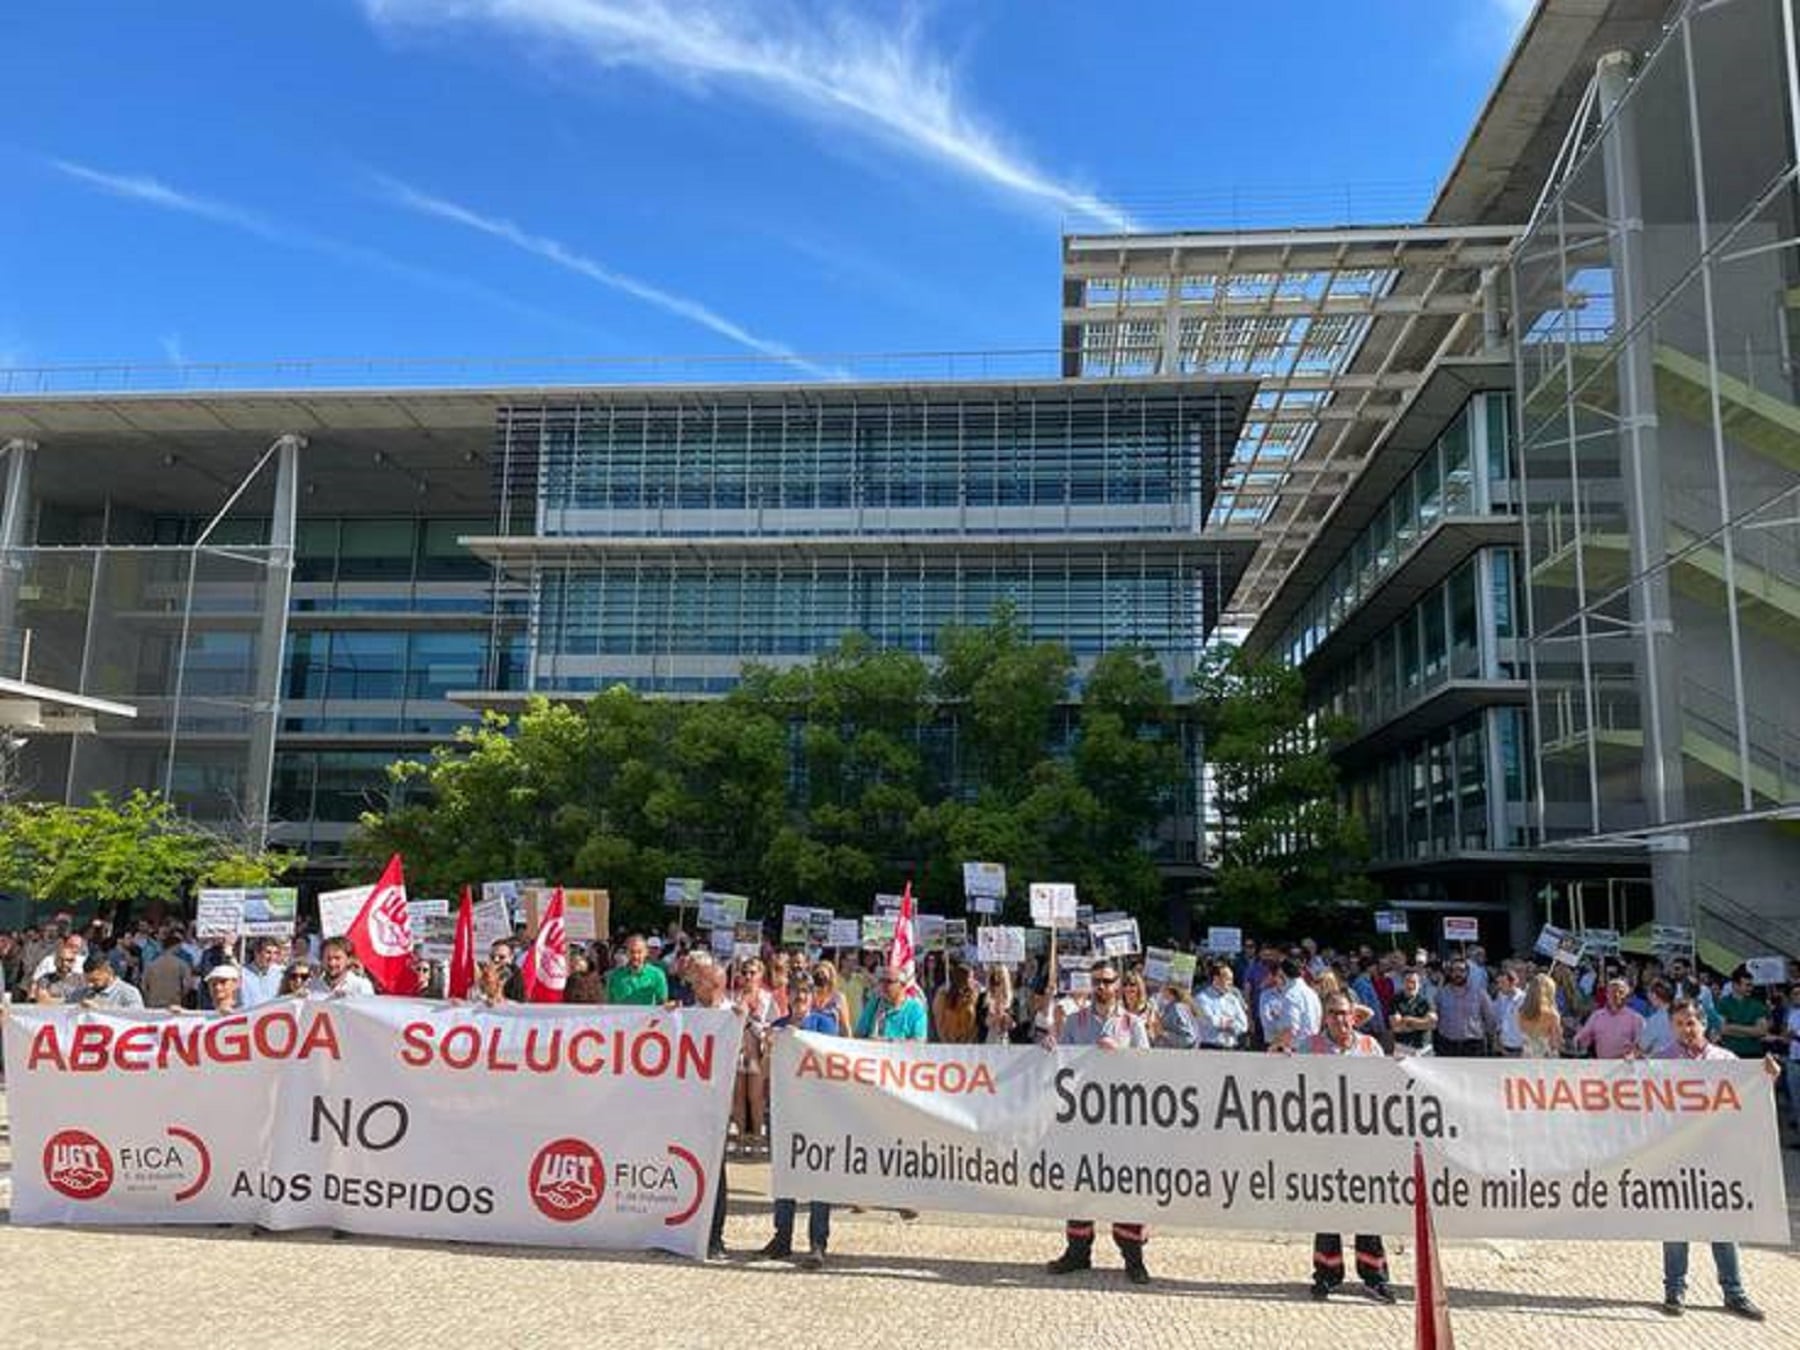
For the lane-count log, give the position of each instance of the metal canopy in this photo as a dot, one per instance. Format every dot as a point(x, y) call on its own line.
point(1338, 325)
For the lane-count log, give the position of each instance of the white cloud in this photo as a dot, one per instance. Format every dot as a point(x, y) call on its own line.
point(562, 256)
point(172, 350)
point(153, 192)
point(829, 64)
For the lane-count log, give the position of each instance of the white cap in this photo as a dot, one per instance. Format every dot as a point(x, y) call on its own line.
point(654, 943)
point(223, 973)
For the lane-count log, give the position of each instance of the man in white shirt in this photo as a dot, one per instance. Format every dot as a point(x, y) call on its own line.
point(1657, 1038)
point(1219, 1009)
point(335, 977)
point(262, 980)
point(1288, 1009)
point(1508, 999)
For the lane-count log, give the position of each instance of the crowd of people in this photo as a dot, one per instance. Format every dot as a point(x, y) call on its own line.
point(1272, 997)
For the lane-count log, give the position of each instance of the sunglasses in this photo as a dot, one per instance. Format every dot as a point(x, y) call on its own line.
point(1105, 979)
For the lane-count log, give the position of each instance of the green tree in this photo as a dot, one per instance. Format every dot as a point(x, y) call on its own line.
point(1287, 844)
point(137, 849)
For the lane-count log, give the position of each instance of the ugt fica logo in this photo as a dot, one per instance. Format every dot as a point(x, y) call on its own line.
point(567, 1180)
point(77, 1165)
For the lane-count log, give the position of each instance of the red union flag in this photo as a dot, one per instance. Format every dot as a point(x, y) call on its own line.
point(382, 934)
point(1431, 1325)
point(900, 955)
point(547, 963)
point(460, 979)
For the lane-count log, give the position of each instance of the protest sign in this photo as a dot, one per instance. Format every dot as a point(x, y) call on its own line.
point(1053, 904)
point(1000, 946)
point(338, 909)
point(794, 922)
point(1669, 941)
point(1165, 966)
point(682, 892)
point(844, 933)
point(1462, 929)
point(1224, 941)
point(587, 915)
point(1115, 938)
point(1549, 939)
point(1568, 950)
point(435, 935)
point(723, 942)
point(887, 904)
point(1390, 921)
point(418, 909)
point(1767, 970)
point(818, 926)
point(956, 934)
point(1601, 941)
point(493, 923)
point(877, 931)
point(1037, 941)
point(928, 932)
point(1564, 1149)
point(219, 913)
point(509, 893)
point(984, 883)
point(408, 1120)
point(269, 911)
point(1075, 970)
point(718, 909)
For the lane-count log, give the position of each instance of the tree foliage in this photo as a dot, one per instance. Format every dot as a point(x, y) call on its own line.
point(1287, 842)
point(139, 848)
point(817, 783)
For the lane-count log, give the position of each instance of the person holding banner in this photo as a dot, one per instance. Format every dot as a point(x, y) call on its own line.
point(804, 1014)
point(103, 988)
point(638, 981)
point(1691, 1043)
point(1340, 1037)
point(895, 1013)
point(1105, 1023)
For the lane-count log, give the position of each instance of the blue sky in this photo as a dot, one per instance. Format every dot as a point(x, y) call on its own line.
point(248, 181)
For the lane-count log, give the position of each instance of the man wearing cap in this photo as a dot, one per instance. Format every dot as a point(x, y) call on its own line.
point(222, 987)
point(1103, 1022)
point(639, 981)
point(102, 987)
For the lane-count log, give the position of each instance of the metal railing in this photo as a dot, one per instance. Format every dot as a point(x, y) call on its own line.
point(126, 377)
point(1759, 934)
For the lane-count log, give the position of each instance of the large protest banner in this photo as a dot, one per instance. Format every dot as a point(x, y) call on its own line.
point(1513, 1148)
point(556, 1126)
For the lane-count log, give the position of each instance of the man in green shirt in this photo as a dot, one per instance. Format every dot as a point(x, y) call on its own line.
point(637, 981)
point(1745, 1018)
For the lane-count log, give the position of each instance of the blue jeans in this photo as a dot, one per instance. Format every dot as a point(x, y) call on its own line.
point(1790, 1080)
point(1725, 1258)
point(818, 1223)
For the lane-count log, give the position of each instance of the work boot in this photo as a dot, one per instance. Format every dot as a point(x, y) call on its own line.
point(1078, 1255)
point(777, 1249)
point(1135, 1270)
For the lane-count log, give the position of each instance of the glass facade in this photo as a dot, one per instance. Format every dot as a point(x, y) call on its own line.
point(1462, 629)
point(1467, 472)
point(1461, 788)
point(665, 542)
point(1659, 425)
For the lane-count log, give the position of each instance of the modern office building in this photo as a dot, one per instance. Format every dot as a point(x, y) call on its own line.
point(296, 588)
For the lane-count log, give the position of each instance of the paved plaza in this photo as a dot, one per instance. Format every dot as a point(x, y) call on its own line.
point(943, 1279)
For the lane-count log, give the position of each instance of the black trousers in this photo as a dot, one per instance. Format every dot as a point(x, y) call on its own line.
point(1082, 1230)
point(716, 1236)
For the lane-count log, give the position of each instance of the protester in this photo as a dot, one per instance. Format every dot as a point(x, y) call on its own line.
point(1105, 1023)
point(1465, 1018)
point(1340, 1037)
point(102, 987)
point(803, 1015)
point(1540, 1022)
point(1789, 1042)
point(1658, 1035)
point(61, 980)
point(1000, 1019)
point(895, 1013)
point(750, 1100)
point(337, 977)
point(957, 1007)
point(1288, 1009)
point(1176, 1022)
point(1507, 999)
point(1219, 1009)
point(168, 979)
point(639, 982)
point(263, 979)
point(829, 997)
point(1612, 1032)
point(222, 983)
point(1744, 1017)
point(1691, 1043)
point(295, 978)
point(584, 984)
point(1414, 1018)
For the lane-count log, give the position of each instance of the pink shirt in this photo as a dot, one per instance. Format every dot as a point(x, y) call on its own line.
point(1612, 1034)
point(1707, 1051)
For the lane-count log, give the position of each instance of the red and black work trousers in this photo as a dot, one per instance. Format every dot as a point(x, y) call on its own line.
point(1328, 1260)
point(1124, 1234)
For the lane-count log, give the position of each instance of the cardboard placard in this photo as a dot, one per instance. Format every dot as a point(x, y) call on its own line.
point(269, 911)
point(844, 933)
point(878, 931)
point(219, 913)
point(887, 904)
point(818, 926)
point(1162, 965)
point(1549, 940)
point(1600, 941)
point(1072, 971)
point(984, 883)
point(928, 932)
point(493, 923)
point(435, 935)
point(509, 892)
point(338, 909)
point(795, 920)
point(956, 934)
point(1390, 921)
point(1053, 904)
point(682, 892)
point(1670, 940)
point(1767, 970)
point(719, 909)
point(1462, 929)
point(587, 915)
point(1115, 938)
point(995, 946)
point(1221, 941)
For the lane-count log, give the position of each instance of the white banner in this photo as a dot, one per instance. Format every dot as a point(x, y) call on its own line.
point(1513, 1148)
point(558, 1126)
